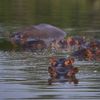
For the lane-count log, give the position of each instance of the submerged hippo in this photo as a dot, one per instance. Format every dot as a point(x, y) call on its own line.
point(62, 70)
point(38, 35)
point(34, 44)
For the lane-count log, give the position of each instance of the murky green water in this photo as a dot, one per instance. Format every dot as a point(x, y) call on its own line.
point(23, 76)
point(67, 14)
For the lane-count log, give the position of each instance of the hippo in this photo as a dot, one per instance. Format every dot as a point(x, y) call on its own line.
point(79, 54)
point(62, 70)
point(34, 44)
point(41, 34)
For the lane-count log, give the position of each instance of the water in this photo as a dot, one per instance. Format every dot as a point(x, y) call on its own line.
point(24, 75)
point(80, 17)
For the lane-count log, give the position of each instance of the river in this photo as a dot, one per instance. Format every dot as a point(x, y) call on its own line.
point(24, 76)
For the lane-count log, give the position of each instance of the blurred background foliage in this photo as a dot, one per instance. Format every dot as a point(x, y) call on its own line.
point(63, 13)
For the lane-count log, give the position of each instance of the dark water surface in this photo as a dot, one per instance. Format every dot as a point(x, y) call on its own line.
point(23, 76)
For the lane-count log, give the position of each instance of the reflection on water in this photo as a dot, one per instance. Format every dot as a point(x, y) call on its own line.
point(23, 76)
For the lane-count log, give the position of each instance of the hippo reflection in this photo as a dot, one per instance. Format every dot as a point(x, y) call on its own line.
point(37, 36)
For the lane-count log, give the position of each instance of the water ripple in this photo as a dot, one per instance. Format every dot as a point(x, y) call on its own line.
point(23, 76)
